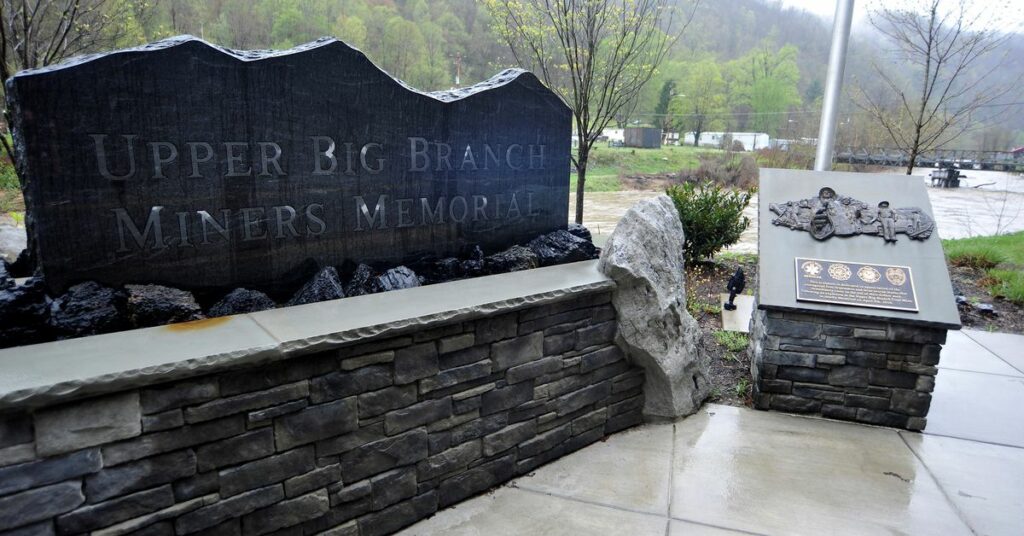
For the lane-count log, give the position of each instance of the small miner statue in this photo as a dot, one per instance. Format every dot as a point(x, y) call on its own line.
point(736, 285)
point(888, 220)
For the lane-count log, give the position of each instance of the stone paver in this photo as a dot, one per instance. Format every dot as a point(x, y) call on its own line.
point(978, 406)
point(728, 470)
point(961, 352)
point(782, 474)
point(983, 480)
point(630, 471)
point(1009, 348)
point(732, 469)
point(685, 528)
point(738, 319)
point(515, 512)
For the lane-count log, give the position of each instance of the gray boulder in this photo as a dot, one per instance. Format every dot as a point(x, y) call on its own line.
point(325, 285)
point(89, 308)
point(645, 258)
point(561, 247)
point(512, 259)
point(398, 278)
point(240, 301)
point(156, 305)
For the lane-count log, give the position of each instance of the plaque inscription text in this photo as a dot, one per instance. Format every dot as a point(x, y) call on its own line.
point(878, 286)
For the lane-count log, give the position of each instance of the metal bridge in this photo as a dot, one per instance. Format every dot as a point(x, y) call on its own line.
point(963, 159)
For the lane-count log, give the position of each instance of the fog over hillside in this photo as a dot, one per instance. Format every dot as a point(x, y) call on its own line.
point(764, 62)
point(725, 31)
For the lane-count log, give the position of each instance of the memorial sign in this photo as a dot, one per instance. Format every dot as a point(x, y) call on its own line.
point(840, 314)
point(865, 248)
point(880, 286)
point(198, 167)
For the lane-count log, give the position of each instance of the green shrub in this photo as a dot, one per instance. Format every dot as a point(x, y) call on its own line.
point(8, 178)
point(734, 341)
point(1008, 284)
point(973, 254)
point(697, 307)
point(712, 218)
point(742, 387)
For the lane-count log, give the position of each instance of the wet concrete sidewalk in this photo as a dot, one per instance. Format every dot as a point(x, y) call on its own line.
point(730, 470)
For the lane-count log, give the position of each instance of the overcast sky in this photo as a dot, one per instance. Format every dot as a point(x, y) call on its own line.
point(1012, 10)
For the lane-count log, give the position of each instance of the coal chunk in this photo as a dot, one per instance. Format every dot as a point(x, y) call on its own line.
point(561, 247)
point(474, 265)
point(24, 311)
point(241, 300)
point(325, 285)
point(438, 271)
point(6, 281)
point(578, 230)
point(398, 278)
point(512, 259)
point(985, 308)
point(156, 305)
point(89, 308)
point(363, 281)
point(24, 265)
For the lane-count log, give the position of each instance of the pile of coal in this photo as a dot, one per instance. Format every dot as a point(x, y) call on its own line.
point(28, 315)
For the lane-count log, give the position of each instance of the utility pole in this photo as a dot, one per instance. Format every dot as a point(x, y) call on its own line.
point(833, 84)
point(458, 69)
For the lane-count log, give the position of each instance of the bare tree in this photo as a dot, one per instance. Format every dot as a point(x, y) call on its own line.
point(940, 84)
point(37, 33)
point(596, 54)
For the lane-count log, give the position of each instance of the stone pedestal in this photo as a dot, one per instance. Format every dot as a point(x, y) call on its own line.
point(850, 320)
point(838, 366)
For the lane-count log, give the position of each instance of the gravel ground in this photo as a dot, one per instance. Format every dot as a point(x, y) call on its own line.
point(729, 369)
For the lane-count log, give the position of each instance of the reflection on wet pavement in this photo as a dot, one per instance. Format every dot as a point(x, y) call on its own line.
point(725, 470)
point(728, 470)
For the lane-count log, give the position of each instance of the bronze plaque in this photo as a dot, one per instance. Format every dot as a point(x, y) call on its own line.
point(880, 286)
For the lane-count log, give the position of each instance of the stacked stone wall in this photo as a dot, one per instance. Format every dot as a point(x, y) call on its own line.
point(840, 367)
point(362, 439)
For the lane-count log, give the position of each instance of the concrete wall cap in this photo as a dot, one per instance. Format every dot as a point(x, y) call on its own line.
point(43, 374)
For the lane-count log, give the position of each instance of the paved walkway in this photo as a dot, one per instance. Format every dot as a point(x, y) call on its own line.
point(730, 470)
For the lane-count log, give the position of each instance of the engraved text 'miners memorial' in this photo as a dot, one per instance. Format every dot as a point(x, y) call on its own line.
point(198, 167)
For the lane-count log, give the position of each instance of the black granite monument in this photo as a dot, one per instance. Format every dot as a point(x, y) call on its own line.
point(198, 167)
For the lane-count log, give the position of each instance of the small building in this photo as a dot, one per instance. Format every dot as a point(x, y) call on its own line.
point(751, 140)
point(644, 137)
point(612, 135)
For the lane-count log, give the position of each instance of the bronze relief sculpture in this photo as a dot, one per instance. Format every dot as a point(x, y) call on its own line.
point(830, 215)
